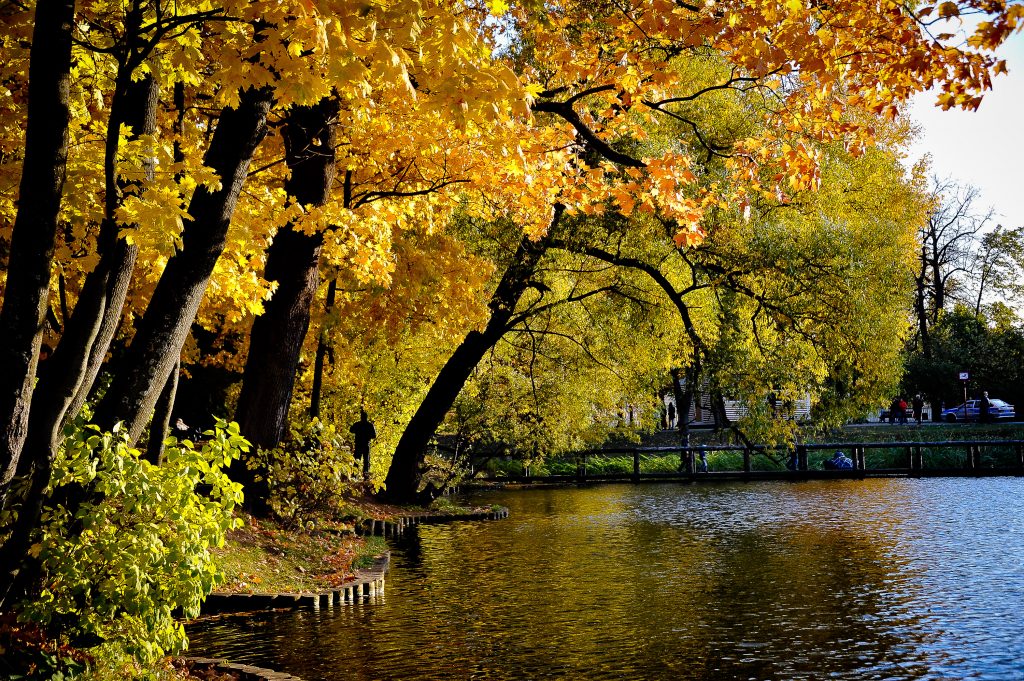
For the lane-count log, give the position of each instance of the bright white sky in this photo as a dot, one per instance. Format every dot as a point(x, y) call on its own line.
point(984, 148)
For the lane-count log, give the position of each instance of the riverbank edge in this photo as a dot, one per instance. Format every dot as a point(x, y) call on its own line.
point(368, 583)
point(243, 672)
point(367, 586)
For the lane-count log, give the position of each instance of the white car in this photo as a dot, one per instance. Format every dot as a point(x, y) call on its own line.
point(997, 410)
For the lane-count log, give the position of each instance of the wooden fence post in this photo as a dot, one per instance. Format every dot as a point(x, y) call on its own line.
point(636, 465)
point(801, 457)
point(686, 461)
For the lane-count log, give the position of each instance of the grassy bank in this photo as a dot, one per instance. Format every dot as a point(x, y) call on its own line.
point(263, 556)
point(269, 556)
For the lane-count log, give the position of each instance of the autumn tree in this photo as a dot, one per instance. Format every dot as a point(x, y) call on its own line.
point(605, 76)
point(581, 362)
point(241, 61)
point(152, 145)
point(380, 345)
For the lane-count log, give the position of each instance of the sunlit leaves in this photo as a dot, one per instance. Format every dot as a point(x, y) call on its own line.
point(139, 549)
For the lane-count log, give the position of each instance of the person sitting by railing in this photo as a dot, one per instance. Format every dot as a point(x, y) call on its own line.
point(702, 465)
point(839, 461)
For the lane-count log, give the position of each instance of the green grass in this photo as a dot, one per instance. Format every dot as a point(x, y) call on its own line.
point(263, 557)
point(926, 433)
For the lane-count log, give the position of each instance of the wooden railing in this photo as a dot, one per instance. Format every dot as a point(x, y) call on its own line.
point(801, 461)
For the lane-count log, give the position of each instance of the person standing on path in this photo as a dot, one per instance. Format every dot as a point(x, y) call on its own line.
point(918, 404)
point(985, 409)
point(362, 432)
point(894, 410)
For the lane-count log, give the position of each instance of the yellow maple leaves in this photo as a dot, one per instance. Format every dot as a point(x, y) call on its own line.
point(437, 112)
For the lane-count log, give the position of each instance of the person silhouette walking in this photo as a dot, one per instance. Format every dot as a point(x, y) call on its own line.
point(362, 432)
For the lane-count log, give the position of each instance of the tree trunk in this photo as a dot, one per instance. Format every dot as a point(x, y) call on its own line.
point(402, 482)
point(684, 400)
point(26, 295)
point(70, 373)
point(921, 306)
point(162, 418)
point(68, 376)
point(293, 259)
point(165, 326)
point(718, 411)
point(275, 342)
point(321, 355)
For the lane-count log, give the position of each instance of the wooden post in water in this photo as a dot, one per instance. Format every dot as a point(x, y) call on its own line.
point(910, 459)
point(636, 465)
point(746, 459)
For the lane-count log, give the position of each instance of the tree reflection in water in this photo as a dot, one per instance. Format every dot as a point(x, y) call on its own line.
point(900, 579)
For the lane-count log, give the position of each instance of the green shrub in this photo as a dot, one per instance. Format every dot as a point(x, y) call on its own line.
point(666, 463)
point(137, 550)
point(310, 474)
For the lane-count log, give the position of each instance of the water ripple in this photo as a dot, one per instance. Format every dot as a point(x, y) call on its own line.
point(874, 579)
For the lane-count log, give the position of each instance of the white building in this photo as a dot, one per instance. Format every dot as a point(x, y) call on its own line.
point(701, 413)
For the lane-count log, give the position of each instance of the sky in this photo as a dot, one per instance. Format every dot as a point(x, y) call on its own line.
point(984, 148)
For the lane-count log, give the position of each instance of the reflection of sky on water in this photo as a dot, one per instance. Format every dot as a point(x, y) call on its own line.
point(896, 579)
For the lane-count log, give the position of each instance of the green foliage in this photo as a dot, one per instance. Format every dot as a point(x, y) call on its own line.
point(991, 350)
point(310, 474)
point(443, 473)
point(136, 549)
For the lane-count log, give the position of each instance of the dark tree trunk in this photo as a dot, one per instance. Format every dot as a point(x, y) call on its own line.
point(321, 356)
point(163, 329)
point(293, 261)
point(162, 418)
point(684, 400)
point(921, 306)
point(68, 376)
point(402, 482)
point(718, 411)
point(275, 342)
point(938, 283)
point(26, 295)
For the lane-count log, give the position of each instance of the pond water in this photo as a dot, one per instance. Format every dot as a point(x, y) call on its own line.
point(870, 579)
